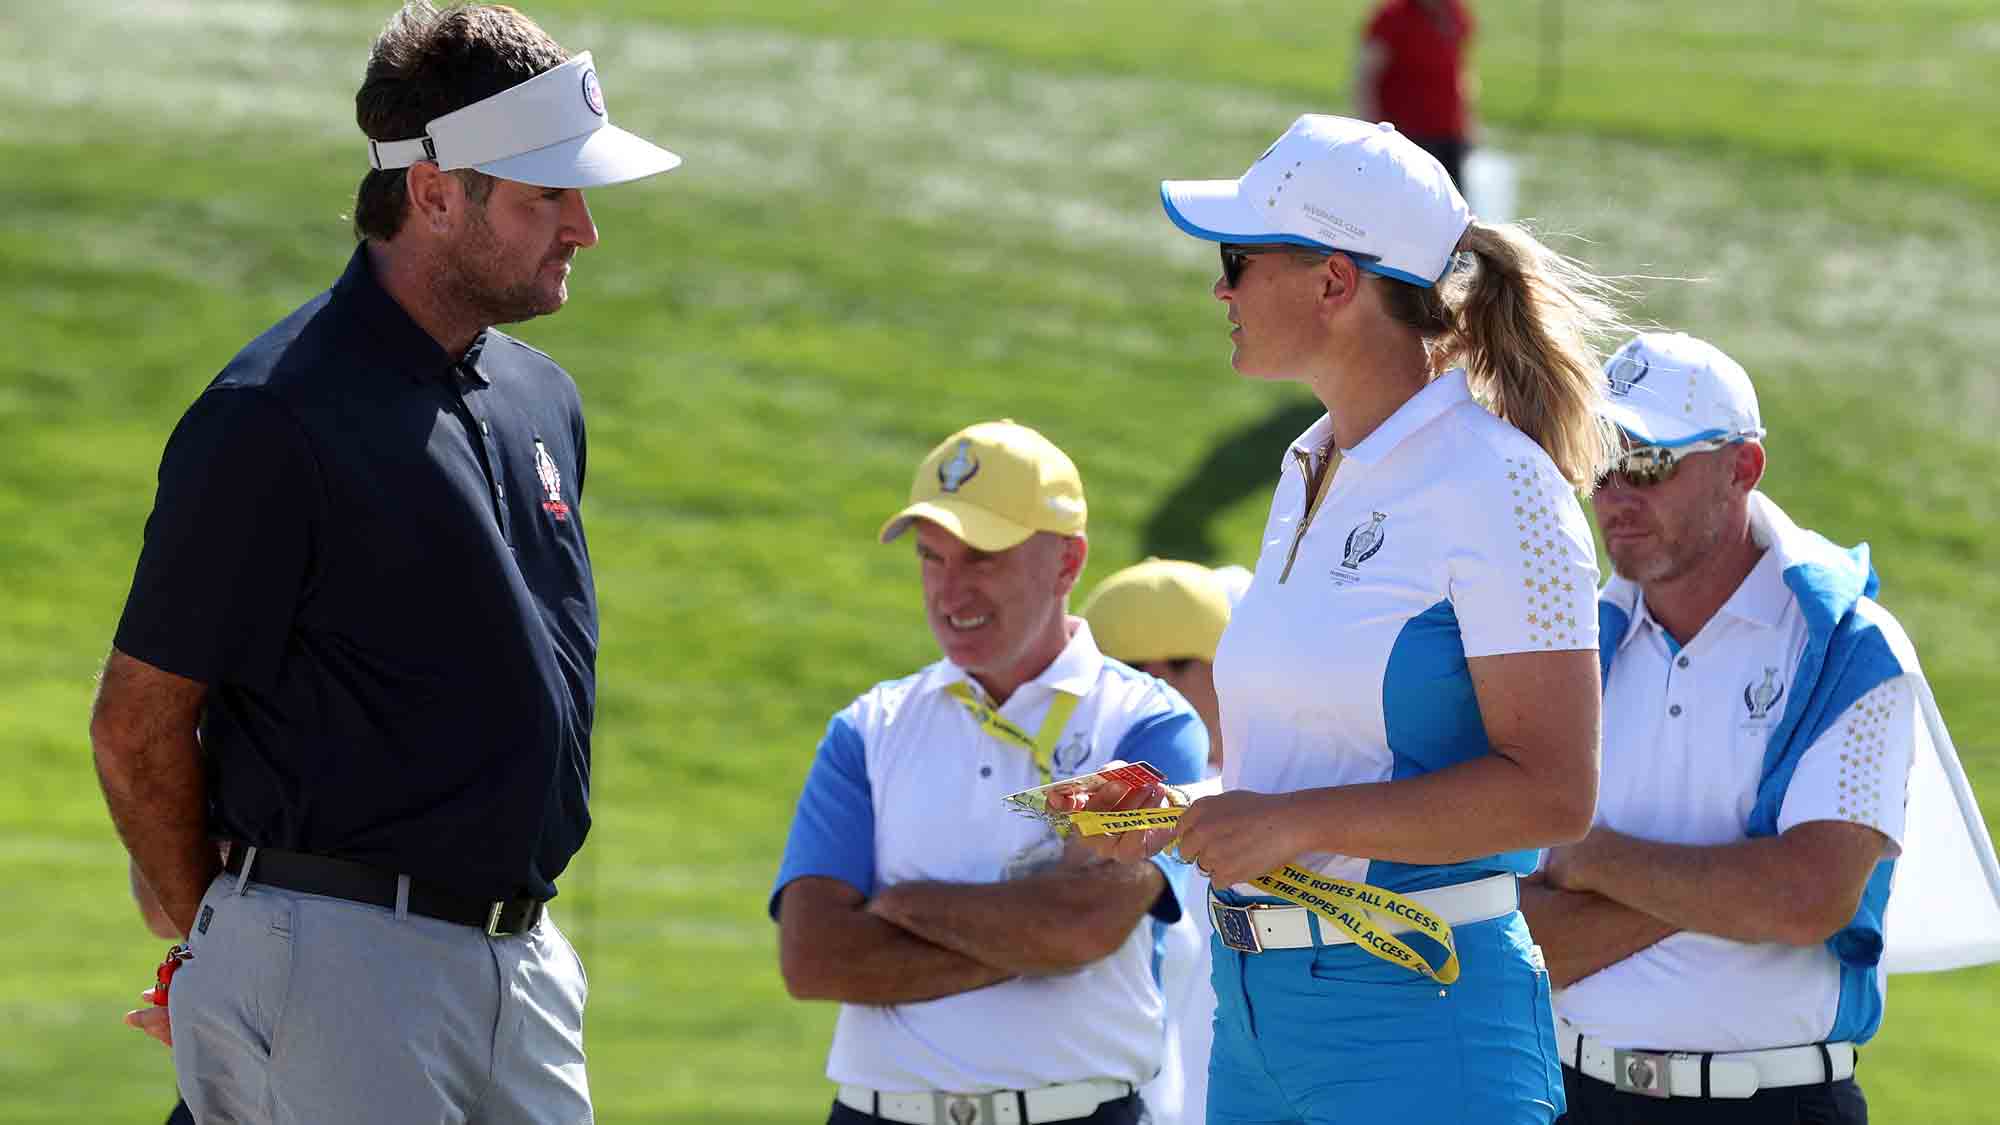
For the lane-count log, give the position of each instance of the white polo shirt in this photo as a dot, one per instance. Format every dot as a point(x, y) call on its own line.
point(1685, 731)
point(1178, 1095)
point(1445, 534)
point(907, 786)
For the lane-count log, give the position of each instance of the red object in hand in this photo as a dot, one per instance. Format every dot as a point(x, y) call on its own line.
point(164, 975)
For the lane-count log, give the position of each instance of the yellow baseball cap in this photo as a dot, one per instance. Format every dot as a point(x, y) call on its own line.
point(1160, 609)
point(993, 485)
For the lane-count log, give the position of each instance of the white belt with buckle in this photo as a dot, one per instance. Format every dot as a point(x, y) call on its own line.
point(1694, 1074)
point(998, 1107)
point(1256, 927)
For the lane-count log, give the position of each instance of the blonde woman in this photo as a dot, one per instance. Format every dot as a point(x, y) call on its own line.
point(1410, 687)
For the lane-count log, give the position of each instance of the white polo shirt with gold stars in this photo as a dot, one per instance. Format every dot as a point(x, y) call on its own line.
point(1445, 534)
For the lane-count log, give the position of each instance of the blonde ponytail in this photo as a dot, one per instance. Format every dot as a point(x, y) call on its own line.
point(1527, 324)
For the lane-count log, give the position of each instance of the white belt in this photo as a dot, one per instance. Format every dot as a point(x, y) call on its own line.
point(1684, 1074)
point(1256, 927)
point(999, 1107)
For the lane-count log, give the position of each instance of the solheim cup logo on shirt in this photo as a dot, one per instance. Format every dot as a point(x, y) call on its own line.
point(551, 478)
point(1759, 698)
point(962, 467)
point(1627, 372)
point(1067, 759)
point(1363, 542)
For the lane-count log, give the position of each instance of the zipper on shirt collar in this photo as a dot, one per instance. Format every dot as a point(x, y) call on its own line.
point(1304, 460)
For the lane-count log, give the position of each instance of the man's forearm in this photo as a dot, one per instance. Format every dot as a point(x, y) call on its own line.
point(148, 903)
point(1581, 933)
point(882, 963)
point(1771, 889)
point(156, 800)
point(831, 948)
point(142, 736)
point(1054, 921)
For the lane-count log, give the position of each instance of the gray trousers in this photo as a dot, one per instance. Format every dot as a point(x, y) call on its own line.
point(299, 1008)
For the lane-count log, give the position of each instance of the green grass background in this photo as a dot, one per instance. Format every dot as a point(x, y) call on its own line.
point(895, 218)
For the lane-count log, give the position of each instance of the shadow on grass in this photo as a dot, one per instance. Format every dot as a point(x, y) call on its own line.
point(1242, 463)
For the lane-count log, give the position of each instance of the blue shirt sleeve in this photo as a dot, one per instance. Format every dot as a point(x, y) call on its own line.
point(833, 829)
point(1172, 740)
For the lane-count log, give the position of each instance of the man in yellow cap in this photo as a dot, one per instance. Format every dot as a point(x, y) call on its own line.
point(1165, 617)
point(986, 970)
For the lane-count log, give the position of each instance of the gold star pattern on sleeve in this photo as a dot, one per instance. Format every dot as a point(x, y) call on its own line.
point(1861, 749)
point(1541, 561)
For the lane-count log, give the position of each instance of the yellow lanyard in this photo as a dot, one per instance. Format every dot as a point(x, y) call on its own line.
point(1041, 744)
point(1354, 907)
point(1312, 508)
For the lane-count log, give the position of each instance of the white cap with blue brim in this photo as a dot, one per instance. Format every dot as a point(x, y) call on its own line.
point(1671, 389)
point(1335, 183)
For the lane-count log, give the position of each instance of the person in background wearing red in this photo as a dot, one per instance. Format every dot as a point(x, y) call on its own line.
point(1411, 72)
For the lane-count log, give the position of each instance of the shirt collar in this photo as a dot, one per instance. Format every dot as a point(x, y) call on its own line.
point(1074, 670)
point(1762, 596)
point(1438, 396)
point(1759, 599)
point(1642, 618)
point(398, 341)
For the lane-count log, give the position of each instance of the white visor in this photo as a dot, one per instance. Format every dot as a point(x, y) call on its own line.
point(550, 131)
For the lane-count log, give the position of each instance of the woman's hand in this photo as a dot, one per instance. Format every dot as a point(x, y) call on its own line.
point(1116, 796)
point(1236, 836)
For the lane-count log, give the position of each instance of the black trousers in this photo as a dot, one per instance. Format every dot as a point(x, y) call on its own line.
point(1592, 1102)
point(1118, 1111)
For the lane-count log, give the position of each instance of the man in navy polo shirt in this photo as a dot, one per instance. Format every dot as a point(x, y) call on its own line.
point(359, 644)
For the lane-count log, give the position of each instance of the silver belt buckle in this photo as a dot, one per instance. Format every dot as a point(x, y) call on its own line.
point(493, 921)
point(962, 1109)
point(1233, 926)
point(1640, 1072)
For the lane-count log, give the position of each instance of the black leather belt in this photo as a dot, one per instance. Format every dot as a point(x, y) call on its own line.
point(358, 882)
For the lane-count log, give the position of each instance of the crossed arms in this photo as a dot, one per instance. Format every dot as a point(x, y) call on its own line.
point(925, 940)
point(1610, 895)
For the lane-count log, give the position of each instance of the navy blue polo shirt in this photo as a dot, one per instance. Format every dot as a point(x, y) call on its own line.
point(371, 552)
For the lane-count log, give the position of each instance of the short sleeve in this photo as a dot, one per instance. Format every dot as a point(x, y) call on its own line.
point(833, 828)
point(228, 545)
point(1858, 769)
point(1173, 741)
point(1523, 571)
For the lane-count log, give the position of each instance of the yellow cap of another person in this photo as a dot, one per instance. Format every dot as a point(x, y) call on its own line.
point(993, 485)
point(1160, 609)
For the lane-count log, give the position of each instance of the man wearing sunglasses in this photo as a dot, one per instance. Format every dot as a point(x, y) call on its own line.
point(1716, 938)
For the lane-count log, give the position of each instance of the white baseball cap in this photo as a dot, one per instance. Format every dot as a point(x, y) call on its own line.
point(550, 131)
point(1668, 388)
point(1335, 183)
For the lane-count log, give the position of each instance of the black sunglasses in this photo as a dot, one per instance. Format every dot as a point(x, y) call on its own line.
point(1236, 257)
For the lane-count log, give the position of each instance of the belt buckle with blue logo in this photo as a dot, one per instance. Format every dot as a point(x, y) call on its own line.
point(1233, 926)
